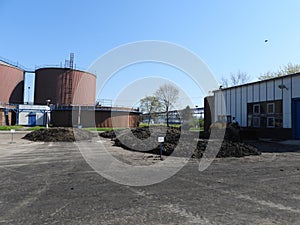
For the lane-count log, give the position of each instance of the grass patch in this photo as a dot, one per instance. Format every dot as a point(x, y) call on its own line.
point(102, 128)
point(21, 128)
point(158, 125)
point(35, 128)
point(11, 127)
point(196, 129)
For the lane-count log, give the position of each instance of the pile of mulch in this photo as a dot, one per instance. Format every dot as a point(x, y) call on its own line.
point(228, 149)
point(59, 134)
point(188, 143)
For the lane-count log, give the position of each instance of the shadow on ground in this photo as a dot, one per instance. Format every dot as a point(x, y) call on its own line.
point(274, 147)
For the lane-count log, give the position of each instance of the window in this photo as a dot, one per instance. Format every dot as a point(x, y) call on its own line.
point(256, 121)
point(256, 109)
point(270, 108)
point(270, 122)
point(265, 114)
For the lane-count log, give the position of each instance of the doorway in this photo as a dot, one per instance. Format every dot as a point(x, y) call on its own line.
point(296, 118)
point(32, 119)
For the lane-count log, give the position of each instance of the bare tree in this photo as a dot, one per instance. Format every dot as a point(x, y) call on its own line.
point(283, 70)
point(235, 79)
point(150, 105)
point(224, 82)
point(167, 94)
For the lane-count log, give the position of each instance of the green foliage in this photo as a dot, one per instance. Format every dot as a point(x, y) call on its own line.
point(196, 129)
point(101, 128)
point(197, 123)
point(282, 71)
point(35, 128)
point(11, 127)
point(158, 125)
point(150, 105)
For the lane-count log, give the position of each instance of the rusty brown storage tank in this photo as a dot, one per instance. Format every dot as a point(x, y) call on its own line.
point(11, 84)
point(64, 86)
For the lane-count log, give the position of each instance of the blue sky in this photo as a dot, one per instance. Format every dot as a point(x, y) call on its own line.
point(227, 35)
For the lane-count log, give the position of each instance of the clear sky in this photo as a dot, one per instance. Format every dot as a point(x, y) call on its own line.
point(227, 35)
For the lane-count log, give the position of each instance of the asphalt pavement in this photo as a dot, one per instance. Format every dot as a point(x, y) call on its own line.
point(51, 183)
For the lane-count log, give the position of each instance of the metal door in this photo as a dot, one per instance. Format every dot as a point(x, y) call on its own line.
point(296, 118)
point(31, 119)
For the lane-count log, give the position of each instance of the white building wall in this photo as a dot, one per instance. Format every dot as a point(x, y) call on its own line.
point(256, 92)
point(233, 102)
point(243, 120)
point(296, 87)
point(287, 103)
point(238, 105)
point(23, 118)
point(270, 90)
point(220, 107)
point(250, 93)
point(25, 110)
point(278, 93)
point(237, 98)
point(228, 102)
point(262, 91)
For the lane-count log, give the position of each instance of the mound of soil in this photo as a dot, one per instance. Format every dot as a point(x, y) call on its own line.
point(228, 149)
point(190, 144)
point(59, 134)
point(108, 134)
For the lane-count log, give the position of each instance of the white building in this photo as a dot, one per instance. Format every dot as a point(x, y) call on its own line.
point(270, 107)
point(33, 115)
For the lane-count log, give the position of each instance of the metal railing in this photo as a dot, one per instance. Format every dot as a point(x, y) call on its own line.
point(15, 64)
point(59, 66)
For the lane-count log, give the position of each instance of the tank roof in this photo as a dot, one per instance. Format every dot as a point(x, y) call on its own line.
point(2, 62)
point(63, 68)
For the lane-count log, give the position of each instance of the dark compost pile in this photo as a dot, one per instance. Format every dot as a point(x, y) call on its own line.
point(185, 141)
point(59, 134)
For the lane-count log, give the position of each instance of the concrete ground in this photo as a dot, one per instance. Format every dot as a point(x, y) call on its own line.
point(50, 183)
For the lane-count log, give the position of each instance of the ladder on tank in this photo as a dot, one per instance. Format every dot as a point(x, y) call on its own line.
point(68, 81)
point(67, 87)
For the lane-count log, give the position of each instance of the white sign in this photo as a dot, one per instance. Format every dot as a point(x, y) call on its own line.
point(12, 131)
point(161, 139)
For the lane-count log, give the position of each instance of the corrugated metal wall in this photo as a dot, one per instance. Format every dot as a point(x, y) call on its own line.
point(236, 98)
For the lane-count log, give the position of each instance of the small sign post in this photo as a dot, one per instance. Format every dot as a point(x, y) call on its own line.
point(12, 131)
point(161, 140)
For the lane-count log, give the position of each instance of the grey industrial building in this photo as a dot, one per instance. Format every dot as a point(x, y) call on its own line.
point(269, 108)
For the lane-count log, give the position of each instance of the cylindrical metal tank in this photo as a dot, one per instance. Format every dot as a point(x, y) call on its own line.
point(64, 86)
point(11, 84)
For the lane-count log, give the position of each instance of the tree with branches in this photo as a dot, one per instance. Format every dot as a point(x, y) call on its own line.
point(167, 95)
point(282, 71)
point(150, 105)
point(235, 79)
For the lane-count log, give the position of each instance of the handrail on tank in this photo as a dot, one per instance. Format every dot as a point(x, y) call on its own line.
point(96, 108)
point(59, 66)
point(14, 64)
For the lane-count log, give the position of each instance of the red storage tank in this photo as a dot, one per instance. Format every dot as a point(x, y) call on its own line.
point(11, 84)
point(64, 86)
